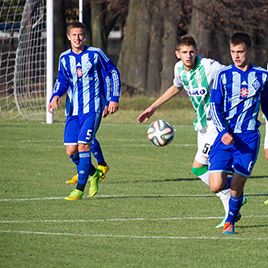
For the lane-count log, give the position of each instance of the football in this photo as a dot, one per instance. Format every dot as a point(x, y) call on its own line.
point(160, 133)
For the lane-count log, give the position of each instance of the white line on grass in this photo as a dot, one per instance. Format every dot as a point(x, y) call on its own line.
point(100, 196)
point(108, 196)
point(129, 144)
point(138, 236)
point(124, 219)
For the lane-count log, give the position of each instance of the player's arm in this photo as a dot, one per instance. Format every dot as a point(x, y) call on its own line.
point(166, 96)
point(264, 101)
point(216, 111)
point(59, 89)
point(111, 93)
point(113, 77)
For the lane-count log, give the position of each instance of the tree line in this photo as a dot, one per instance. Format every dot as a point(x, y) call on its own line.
point(150, 29)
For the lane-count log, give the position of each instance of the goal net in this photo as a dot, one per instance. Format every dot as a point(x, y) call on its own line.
point(23, 59)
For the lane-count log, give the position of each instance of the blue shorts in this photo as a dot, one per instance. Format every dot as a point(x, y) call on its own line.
point(81, 129)
point(239, 157)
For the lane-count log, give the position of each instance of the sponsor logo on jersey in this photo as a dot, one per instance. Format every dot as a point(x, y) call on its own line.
point(243, 92)
point(197, 91)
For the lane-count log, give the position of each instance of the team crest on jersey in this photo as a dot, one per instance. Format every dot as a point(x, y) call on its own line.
point(243, 92)
point(256, 84)
point(79, 72)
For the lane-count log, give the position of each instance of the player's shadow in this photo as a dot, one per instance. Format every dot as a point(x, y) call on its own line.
point(172, 180)
point(252, 226)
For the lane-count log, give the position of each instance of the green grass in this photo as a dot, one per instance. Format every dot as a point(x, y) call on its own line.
point(149, 212)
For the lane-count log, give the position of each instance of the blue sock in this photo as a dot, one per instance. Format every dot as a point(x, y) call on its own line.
point(96, 150)
point(84, 167)
point(75, 159)
point(235, 204)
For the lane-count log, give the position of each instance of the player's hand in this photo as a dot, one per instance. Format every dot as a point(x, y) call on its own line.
point(54, 104)
point(227, 139)
point(105, 111)
point(145, 115)
point(113, 107)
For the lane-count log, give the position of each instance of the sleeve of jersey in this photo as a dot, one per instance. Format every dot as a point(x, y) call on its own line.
point(112, 79)
point(264, 98)
point(216, 106)
point(62, 82)
point(177, 81)
point(114, 88)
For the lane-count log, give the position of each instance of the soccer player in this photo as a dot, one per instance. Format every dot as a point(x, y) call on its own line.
point(236, 96)
point(90, 80)
point(195, 75)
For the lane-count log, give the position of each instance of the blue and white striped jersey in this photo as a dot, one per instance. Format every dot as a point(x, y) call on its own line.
point(90, 79)
point(236, 97)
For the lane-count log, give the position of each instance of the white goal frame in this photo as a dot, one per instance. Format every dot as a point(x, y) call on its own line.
point(50, 58)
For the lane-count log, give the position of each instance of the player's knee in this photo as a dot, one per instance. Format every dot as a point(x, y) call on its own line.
point(83, 147)
point(215, 184)
point(71, 150)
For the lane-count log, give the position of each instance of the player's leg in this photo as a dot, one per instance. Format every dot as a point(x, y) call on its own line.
point(205, 139)
point(85, 167)
point(71, 133)
point(87, 134)
point(235, 202)
point(220, 175)
point(72, 151)
point(245, 153)
point(98, 154)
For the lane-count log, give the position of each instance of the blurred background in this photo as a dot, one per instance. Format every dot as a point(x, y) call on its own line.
point(138, 35)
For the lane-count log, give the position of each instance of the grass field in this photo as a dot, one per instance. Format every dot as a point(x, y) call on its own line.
point(149, 212)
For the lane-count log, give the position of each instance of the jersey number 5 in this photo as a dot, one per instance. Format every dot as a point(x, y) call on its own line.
point(206, 149)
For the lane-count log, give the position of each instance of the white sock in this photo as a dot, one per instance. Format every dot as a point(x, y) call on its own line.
point(225, 196)
point(204, 178)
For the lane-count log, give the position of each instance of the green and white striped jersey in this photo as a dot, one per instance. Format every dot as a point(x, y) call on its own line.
point(197, 83)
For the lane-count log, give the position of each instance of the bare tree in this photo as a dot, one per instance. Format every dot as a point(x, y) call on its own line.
point(103, 16)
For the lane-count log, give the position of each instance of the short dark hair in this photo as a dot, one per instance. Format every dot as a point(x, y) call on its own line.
point(75, 24)
point(186, 40)
point(240, 37)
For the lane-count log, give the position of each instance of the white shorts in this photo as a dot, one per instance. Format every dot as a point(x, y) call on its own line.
point(205, 139)
point(266, 136)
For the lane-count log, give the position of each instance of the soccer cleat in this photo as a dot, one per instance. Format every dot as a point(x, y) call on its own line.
point(228, 228)
point(94, 183)
point(75, 195)
point(238, 217)
point(266, 202)
point(104, 170)
point(73, 180)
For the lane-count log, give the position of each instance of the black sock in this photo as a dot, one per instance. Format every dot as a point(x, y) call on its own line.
point(80, 187)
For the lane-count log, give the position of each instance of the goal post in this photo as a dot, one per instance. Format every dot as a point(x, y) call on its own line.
point(49, 58)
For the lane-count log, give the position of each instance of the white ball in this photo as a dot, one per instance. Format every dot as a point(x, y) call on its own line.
point(160, 133)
